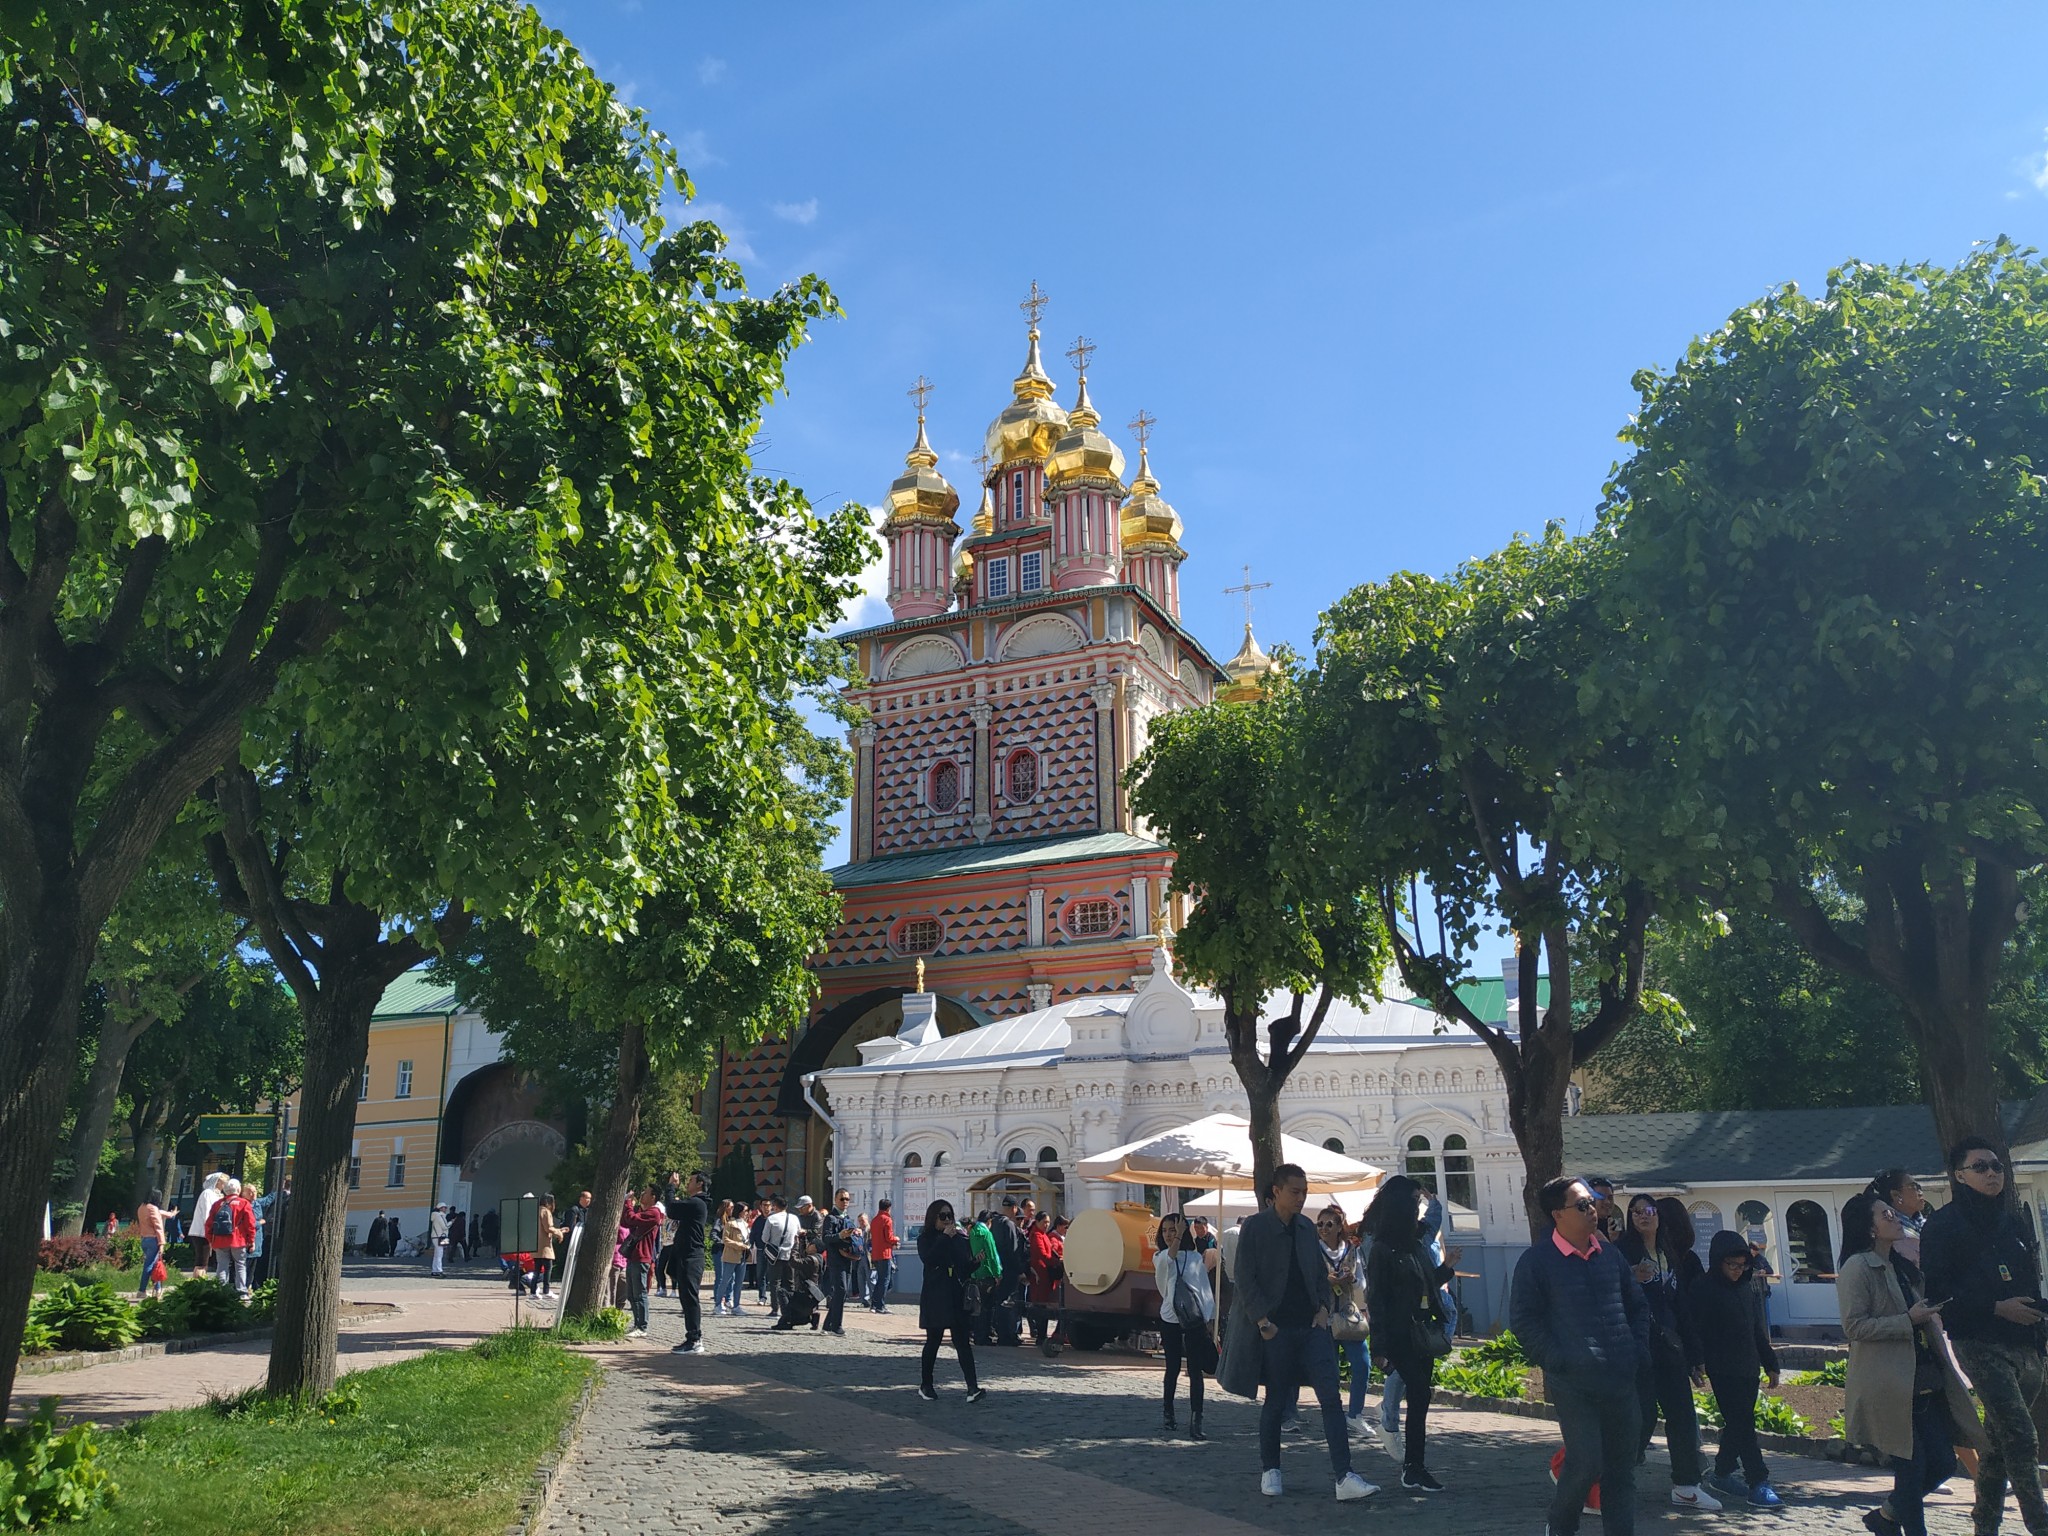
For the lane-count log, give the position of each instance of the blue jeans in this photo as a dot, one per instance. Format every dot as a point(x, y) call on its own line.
point(151, 1247)
point(1291, 1359)
point(1361, 1368)
point(1932, 1463)
point(637, 1277)
point(725, 1287)
point(878, 1284)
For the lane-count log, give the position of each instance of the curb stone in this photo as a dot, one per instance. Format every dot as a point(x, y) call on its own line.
point(540, 1491)
point(1789, 1445)
point(78, 1360)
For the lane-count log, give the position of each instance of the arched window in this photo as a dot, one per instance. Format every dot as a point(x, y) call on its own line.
point(942, 792)
point(1014, 1158)
point(1091, 919)
point(1022, 777)
point(1333, 1144)
point(1461, 1185)
point(1706, 1221)
point(1807, 1245)
point(1420, 1164)
point(1048, 1158)
point(917, 936)
point(1017, 497)
point(938, 1159)
point(912, 1160)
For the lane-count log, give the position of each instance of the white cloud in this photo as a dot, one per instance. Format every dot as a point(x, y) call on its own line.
point(805, 212)
point(710, 70)
point(737, 246)
point(695, 149)
point(2040, 176)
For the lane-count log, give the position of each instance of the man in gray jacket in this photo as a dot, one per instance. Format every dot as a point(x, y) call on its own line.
point(1280, 1330)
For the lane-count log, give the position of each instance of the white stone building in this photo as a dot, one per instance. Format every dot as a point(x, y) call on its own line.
point(925, 1115)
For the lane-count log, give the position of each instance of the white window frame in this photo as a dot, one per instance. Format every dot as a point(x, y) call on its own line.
point(395, 1176)
point(999, 577)
point(404, 1083)
point(899, 941)
point(1069, 917)
point(1030, 571)
point(355, 1171)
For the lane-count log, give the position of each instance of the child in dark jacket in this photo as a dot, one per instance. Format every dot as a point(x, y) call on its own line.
point(1734, 1341)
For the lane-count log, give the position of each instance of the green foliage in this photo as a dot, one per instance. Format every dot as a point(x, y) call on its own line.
point(734, 1178)
point(67, 1255)
point(86, 1316)
point(36, 1338)
point(1775, 1417)
point(607, 1325)
point(49, 1477)
point(1835, 1373)
point(202, 1305)
point(261, 1306)
point(1830, 570)
point(521, 1343)
point(1502, 1349)
point(1838, 1427)
point(1708, 1409)
point(1481, 1378)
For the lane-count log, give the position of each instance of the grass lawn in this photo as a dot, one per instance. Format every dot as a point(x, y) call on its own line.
point(444, 1444)
point(123, 1281)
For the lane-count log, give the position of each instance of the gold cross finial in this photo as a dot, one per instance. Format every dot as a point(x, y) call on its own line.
point(1141, 426)
point(921, 391)
point(1036, 303)
point(1248, 588)
point(981, 462)
point(1080, 352)
point(920, 975)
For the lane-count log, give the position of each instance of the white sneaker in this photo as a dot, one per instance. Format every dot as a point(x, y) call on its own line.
point(636, 1333)
point(1390, 1442)
point(1269, 1483)
point(1696, 1498)
point(1351, 1486)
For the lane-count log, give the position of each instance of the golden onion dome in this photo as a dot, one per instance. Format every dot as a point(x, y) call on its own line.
point(1248, 671)
point(1150, 525)
point(1085, 451)
point(963, 566)
point(1032, 422)
point(921, 493)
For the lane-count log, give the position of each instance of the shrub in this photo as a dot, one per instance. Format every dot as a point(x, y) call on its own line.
point(1834, 1374)
point(87, 1316)
point(45, 1476)
point(62, 1255)
point(1838, 1426)
point(261, 1306)
point(36, 1339)
point(126, 1252)
point(1775, 1417)
point(197, 1306)
point(1488, 1378)
point(1502, 1349)
point(607, 1325)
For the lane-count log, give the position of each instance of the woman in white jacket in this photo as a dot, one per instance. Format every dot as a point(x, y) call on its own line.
point(1187, 1308)
point(210, 1195)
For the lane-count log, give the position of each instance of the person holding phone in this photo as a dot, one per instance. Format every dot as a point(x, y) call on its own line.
point(1982, 1265)
point(1904, 1395)
point(949, 1262)
point(1661, 1260)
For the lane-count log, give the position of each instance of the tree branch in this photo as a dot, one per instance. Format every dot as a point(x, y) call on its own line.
point(1315, 1025)
point(1500, 856)
point(1621, 990)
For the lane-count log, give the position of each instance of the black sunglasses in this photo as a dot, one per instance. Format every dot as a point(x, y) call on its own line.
point(1988, 1165)
point(1585, 1207)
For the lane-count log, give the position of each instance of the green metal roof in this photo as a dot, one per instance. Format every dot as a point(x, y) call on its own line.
point(416, 995)
point(1488, 999)
point(983, 858)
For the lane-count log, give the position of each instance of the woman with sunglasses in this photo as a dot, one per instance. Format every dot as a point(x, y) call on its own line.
point(1665, 1266)
point(1187, 1306)
point(1901, 1191)
point(949, 1261)
point(1981, 1267)
point(1903, 1396)
point(1347, 1288)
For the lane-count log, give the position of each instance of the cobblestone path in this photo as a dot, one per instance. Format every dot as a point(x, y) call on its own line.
point(785, 1433)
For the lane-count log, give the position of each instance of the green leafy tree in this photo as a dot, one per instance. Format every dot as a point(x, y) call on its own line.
point(167, 936)
point(1830, 579)
point(1449, 742)
point(1278, 907)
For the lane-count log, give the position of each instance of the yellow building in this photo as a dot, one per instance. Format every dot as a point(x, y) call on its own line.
point(440, 1116)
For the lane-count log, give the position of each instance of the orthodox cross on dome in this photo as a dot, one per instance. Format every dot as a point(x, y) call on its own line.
point(921, 391)
point(1247, 588)
point(982, 462)
point(1080, 352)
point(1141, 427)
point(1035, 304)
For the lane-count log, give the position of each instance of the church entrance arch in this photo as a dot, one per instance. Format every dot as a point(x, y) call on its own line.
point(496, 1134)
point(834, 1040)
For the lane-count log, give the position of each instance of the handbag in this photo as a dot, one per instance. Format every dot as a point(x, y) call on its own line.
point(1187, 1306)
point(1201, 1350)
point(158, 1273)
point(972, 1298)
point(1348, 1322)
point(1430, 1341)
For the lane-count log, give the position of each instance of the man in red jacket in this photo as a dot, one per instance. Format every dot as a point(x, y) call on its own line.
point(641, 1221)
point(231, 1233)
point(881, 1256)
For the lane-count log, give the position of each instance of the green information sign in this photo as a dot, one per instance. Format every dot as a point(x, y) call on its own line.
point(236, 1130)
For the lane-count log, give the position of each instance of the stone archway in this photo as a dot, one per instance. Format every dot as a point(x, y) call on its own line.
point(517, 1158)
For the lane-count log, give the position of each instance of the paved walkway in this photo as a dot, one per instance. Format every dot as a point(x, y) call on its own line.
point(432, 1314)
point(791, 1433)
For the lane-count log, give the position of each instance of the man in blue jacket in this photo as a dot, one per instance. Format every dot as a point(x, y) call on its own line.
point(1581, 1316)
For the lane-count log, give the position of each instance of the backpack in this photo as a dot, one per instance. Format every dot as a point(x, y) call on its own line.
point(220, 1221)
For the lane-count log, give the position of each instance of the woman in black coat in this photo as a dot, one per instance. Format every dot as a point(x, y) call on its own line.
point(1658, 1249)
point(948, 1260)
point(1405, 1313)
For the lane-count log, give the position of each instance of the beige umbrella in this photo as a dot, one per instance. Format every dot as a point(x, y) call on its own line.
point(1215, 1152)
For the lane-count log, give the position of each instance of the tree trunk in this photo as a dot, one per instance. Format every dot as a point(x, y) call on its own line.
point(44, 976)
point(95, 1114)
point(1954, 1046)
point(1536, 1116)
point(337, 1013)
point(588, 1285)
point(1265, 1118)
point(146, 1131)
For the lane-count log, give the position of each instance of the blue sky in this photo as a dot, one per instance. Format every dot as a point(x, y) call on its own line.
point(1381, 273)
